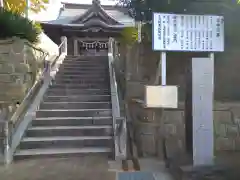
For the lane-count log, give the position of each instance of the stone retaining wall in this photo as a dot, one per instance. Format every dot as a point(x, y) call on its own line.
point(149, 133)
point(20, 67)
point(138, 64)
point(14, 71)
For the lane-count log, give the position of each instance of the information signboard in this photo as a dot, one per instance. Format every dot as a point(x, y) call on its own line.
point(178, 32)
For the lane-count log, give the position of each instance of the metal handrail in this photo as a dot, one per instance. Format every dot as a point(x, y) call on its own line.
point(20, 109)
point(60, 52)
point(119, 123)
point(8, 126)
point(35, 86)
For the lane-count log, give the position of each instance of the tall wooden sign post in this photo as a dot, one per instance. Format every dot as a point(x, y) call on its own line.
point(193, 33)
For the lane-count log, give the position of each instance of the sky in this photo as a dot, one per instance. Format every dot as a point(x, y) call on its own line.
point(105, 2)
point(53, 9)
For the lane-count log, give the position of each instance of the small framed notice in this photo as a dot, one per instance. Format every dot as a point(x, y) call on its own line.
point(161, 96)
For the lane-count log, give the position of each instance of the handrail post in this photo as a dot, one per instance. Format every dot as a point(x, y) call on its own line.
point(47, 69)
point(6, 143)
point(63, 48)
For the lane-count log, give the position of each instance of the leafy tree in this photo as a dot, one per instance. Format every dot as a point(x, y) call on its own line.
point(15, 25)
point(143, 9)
point(19, 6)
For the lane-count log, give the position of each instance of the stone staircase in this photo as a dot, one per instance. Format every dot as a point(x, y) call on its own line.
point(75, 115)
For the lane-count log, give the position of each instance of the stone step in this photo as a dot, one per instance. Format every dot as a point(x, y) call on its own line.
point(48, 131)
point(75, 115)
point(96, 60)
point(83, 68)
point(64, 92)
point(73, 112)
point(83, 71)
point(75, 105)
point(77, 88)
point(85, 65)
point(83, 85)
point(81, 76)
point(78, 98)
point(86, 79)
point(80, 86)
point(82, 81)
point(88, 58)
point(65, 142)
point(100, 73)
point(96, 78)
point(87, 76)
point(72, 121)
point(61, 152)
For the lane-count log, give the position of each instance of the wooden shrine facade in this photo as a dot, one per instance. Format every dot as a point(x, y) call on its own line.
point(88, 27)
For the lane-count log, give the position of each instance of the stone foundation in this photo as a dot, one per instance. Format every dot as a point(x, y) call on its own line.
point(150, 126)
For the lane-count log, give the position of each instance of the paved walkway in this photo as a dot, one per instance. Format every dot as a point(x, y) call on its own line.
point(151, 169)
point(81, 168)
point(156, 167)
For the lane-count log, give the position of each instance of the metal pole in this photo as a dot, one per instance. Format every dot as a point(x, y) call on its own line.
point(139, 26)
point(1, 4)
point(163, 69)
point(26, 10)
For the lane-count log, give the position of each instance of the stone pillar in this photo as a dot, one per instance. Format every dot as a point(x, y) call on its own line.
point(5, 155)
point(202, 110)
point(64, 46)
point(75, 47)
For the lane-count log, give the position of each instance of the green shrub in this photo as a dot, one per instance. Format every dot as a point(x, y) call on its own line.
point(13, 24)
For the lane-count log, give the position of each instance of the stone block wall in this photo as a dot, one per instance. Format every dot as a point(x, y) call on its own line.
point(174, 131)
point(139, 63)
point(20, 66)
point(226, 126)
point(152, 125)
point(14, 71)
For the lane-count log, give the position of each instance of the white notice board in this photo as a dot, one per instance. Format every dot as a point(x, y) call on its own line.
point(178, 32)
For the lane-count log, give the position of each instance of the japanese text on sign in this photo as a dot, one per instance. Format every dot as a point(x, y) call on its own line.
point(176, 32)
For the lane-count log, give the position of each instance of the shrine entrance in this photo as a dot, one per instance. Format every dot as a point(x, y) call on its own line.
point(88, 27)
point(90, 47)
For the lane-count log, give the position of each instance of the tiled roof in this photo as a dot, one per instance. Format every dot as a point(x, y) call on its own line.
point(72, 12)
point(121, 17)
